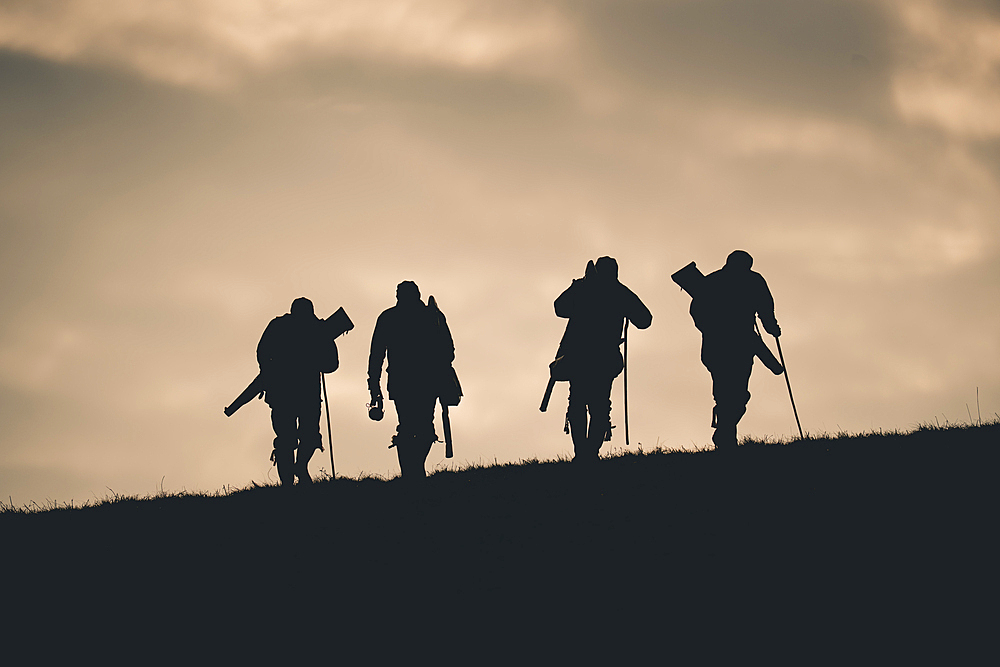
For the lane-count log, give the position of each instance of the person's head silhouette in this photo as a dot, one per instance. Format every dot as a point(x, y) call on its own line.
point(302, 308)
point(739, 260)
point(407, 292)
point(607, 269)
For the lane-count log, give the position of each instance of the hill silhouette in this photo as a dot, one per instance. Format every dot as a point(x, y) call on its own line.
point(871, 548)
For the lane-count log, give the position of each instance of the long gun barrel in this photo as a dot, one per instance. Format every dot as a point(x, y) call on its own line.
point(338, 323)
point(255, 388)
point(548, 394)
point(690, 279)
point(763, 352)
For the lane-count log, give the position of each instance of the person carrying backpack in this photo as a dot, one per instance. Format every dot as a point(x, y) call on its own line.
point(597, 307)
point(418, 344)
point(725, 309)
point(292, 352)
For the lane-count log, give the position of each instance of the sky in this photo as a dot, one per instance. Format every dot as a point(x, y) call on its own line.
point(174, 173)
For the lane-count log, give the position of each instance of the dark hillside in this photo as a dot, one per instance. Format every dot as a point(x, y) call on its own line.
point(865, 549)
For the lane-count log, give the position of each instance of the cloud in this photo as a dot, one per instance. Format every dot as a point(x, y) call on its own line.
point(211, 43)
point(948, 73)
point(937, 62)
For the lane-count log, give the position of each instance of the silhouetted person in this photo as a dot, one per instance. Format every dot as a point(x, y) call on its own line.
point(597, 306)
point(291, 352)
point(725, 312)
point(418, 343)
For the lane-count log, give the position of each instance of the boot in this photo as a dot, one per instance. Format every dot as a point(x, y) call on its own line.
point(599, 433)
point(302, 465)
point(582, 448)
point(725, 437)
point(284, 459)
point(594, 443)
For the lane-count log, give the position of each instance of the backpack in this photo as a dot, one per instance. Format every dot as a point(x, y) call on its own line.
point(449, 389)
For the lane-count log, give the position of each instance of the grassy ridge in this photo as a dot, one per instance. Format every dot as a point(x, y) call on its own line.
point(808, 549)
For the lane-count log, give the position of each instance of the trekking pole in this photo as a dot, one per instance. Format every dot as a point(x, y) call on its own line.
point(329, 432)
point(794, 411)
point(625, 377)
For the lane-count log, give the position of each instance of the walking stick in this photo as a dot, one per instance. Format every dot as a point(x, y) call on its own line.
point(794, 411)
point(329, 432)
point(625, 378)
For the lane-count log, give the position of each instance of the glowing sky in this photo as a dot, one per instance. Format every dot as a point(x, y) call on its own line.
point(173, 174)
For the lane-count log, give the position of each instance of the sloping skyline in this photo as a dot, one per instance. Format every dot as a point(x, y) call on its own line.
point(173, 175)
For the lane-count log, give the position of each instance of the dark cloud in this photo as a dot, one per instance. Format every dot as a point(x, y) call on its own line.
point(766, 53)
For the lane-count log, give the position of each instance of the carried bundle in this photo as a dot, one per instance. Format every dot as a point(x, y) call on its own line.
point(327, 361)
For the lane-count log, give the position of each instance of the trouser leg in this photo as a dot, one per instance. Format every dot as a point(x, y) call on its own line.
point(284, 423)
point(415, 433)
point(600, 414)
point(577, 416)
point(412, 455)
point(302, 464)
point(591, 395)
point(730, 388)
point(309, 440)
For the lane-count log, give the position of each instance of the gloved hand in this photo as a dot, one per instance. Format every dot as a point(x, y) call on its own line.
point(375, 411)
point(773, 329)
point(375, 390)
